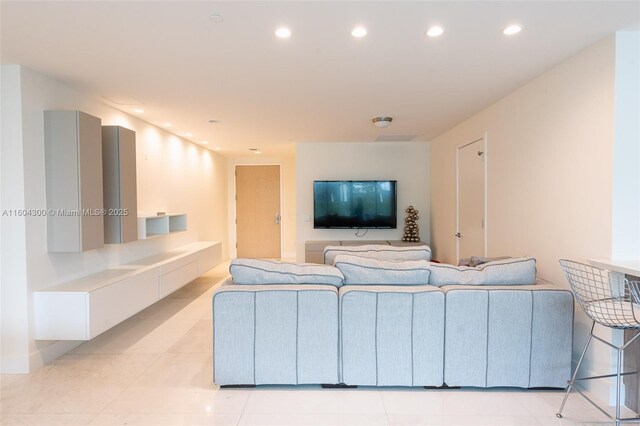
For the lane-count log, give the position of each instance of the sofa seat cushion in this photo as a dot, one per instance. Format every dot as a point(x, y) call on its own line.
point(364, 271)
point(502, 272)
point(378, 251)
point(260, 271)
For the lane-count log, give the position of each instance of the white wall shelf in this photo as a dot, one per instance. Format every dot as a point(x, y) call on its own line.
point(155, 226)
point(82, 309)
point(177, 223)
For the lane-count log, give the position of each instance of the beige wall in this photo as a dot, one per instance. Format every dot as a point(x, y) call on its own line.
point(405, 162)
point(173, 175)
point(549, 162)
point(550, 154)
point(288, 199)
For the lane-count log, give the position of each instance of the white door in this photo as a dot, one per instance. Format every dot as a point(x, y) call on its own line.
point(471, 199)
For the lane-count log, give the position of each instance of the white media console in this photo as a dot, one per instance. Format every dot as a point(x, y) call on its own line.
point(86, 307)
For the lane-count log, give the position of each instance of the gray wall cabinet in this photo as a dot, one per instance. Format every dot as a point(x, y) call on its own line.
point(73, 163)
point(119, 174)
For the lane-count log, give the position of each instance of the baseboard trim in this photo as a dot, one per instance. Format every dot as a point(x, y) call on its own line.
point(14, 365)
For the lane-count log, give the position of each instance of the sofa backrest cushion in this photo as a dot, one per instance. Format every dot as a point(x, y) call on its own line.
point(364, 271)
point(260, 271)
point(378, 251)
point(513, 271)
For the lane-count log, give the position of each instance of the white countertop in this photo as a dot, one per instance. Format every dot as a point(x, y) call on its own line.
point(107, 277)
point(629, 267)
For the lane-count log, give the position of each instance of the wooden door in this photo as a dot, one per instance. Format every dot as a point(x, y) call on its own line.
point(258, 211)
point(471, 199)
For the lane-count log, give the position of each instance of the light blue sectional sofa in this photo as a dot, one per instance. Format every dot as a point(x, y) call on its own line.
point(320, 330)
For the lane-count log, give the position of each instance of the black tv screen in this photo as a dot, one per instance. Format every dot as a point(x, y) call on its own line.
point(354, 204)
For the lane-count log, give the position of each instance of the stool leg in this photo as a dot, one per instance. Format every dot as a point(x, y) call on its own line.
point(575, 373)
point(618, 387)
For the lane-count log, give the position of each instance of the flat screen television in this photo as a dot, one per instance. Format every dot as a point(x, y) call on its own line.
point(344, 204)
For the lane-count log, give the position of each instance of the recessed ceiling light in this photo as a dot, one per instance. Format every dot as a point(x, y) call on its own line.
point(359, 32)
point(435, 31)
point(257, 152)
point(138, 110)
point(512, 29)
point(167, 124)
point(188, 134)
point(283, 32)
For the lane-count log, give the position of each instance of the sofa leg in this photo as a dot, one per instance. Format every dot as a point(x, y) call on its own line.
point(338, 386)
point(237, 386)
point(444, 386)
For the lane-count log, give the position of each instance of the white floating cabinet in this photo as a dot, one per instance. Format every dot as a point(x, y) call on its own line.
point(84, 308)
point(154, 226)
point(110, 305)
point(73, 168)
point(119, 177)
point(209, 256)
point(178, 277)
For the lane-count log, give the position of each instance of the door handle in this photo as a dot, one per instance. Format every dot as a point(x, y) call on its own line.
point(277, 218)
point(459, 235)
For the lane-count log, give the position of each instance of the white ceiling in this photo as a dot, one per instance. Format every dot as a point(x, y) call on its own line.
point(321, 84)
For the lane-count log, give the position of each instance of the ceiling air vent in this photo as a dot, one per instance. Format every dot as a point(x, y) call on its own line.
point(395, 138)
point(123, 100)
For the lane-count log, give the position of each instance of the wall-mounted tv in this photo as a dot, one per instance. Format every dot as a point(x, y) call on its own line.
point(344, 204)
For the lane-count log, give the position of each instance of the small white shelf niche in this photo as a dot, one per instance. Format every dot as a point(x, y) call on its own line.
point(154, 226)
point(177, 223)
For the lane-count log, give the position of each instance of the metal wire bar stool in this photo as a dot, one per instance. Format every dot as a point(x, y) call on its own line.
point(609, 300)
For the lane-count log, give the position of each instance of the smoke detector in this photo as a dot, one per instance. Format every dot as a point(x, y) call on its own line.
point(382, 122)
point(216, 18)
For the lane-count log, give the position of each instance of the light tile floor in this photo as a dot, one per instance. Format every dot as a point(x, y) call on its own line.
point(156, 369)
